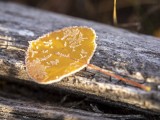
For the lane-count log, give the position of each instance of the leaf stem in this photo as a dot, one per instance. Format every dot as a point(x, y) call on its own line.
point(146, 88)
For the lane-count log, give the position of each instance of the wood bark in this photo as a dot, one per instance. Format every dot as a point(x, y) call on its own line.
point(131, 55)
point(11, 109)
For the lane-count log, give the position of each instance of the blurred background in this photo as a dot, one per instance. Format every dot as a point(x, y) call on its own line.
point(142, 16)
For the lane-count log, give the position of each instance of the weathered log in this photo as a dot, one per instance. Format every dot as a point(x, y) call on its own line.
point(25, 103)
point(15, 109)
point(129, 54)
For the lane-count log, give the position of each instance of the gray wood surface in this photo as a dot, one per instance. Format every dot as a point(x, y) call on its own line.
point(22, 110)
point(128, 54)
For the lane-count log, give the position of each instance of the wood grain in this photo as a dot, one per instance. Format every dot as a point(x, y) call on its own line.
point(131, 55)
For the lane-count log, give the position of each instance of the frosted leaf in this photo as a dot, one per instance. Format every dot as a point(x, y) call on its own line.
point(45, 51)
point(63, 55)
point(59, 54)
point(36, 70)
point(33, 53)
point(74, 38)
point(54, 62)
point(48, 43)
point(46, 57)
